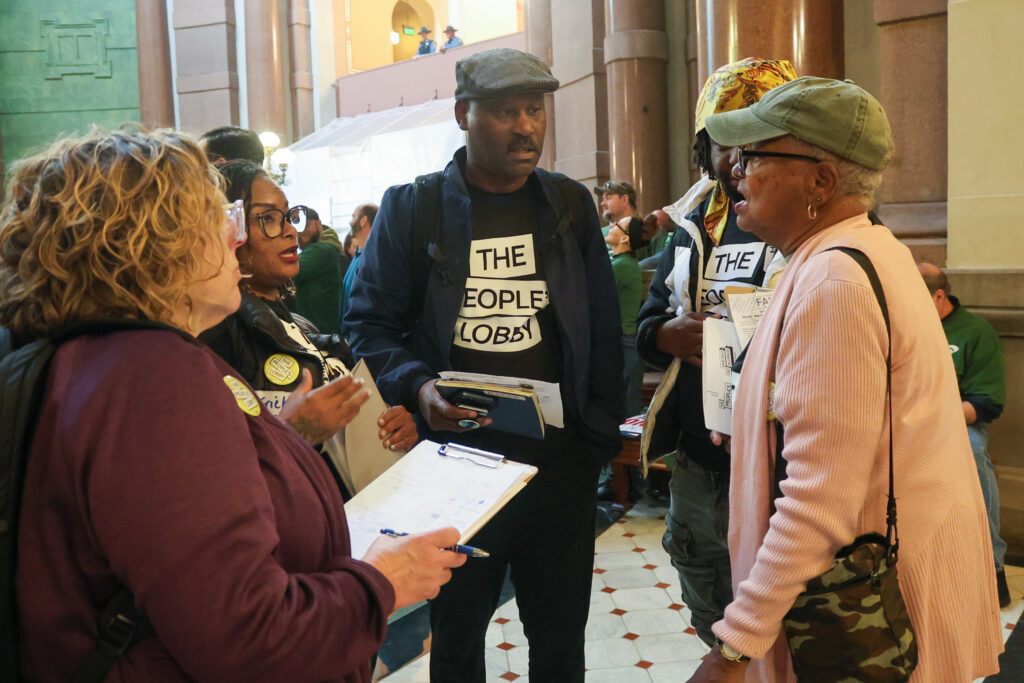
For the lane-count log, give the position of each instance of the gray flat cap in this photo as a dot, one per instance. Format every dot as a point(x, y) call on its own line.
point(501, 71)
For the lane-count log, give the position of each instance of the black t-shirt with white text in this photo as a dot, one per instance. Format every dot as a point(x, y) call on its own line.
point(506, 325)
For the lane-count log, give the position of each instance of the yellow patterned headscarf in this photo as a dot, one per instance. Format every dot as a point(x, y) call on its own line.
point(731, 87)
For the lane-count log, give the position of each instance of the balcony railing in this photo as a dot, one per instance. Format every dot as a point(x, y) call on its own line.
point(412, 81)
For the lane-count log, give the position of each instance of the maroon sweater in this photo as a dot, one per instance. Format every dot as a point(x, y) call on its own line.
point(227, 528)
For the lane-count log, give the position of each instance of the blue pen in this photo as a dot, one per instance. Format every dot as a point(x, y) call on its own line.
point(457, 548)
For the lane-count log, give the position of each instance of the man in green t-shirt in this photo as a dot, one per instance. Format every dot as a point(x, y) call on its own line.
point(978, 362)
point(618, 201)
point(318, 284)
point(624, 237)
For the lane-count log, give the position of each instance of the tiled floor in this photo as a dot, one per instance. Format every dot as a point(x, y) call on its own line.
point(639, 630)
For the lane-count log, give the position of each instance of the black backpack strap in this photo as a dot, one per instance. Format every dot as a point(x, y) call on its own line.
point(573, 205)
point(120, 624)
point(425, 245)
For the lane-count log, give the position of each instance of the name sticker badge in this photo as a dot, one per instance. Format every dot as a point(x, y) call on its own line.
point(245, 399)
point(281, 369)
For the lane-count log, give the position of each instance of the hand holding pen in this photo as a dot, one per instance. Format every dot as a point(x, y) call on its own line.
point(416, 565)
point(467, 550)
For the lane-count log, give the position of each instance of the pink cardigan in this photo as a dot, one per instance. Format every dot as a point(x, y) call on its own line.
point(830, 396)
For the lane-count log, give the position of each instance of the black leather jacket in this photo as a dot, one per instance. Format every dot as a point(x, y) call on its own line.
point(247, 338)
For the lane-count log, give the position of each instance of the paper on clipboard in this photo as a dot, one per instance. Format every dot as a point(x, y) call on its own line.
point(549, 395)
point(428, 490)
point(721, 348)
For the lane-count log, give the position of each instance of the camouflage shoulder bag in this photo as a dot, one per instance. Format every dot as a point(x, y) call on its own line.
point(851, 624)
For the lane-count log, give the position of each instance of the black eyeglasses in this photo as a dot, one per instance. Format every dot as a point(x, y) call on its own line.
point(272, 220)
point(746, 154)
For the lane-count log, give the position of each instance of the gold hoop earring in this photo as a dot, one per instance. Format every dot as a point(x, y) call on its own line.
point(812, 211)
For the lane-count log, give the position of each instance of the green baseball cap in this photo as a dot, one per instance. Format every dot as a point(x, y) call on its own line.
point(837, 116)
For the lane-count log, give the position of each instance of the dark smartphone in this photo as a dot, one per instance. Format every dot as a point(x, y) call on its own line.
point(471, 400)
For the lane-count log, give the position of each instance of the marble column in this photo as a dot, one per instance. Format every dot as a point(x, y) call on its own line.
point(204, 40)
point(809, 33)
point(577, 61)
point(156, 100)
point(302, 67)
point(264, 57)
point(635, 56)
point(914, 87)
point(538, 42)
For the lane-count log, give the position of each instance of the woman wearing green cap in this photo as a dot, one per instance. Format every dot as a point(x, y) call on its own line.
point(811, 429)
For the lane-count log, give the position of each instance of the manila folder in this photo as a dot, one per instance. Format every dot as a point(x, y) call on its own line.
point(425, 490)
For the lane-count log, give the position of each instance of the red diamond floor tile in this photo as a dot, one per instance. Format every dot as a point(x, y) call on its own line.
point(506, 646)
point(639, 550)
point(650, 566)
point(501, 620)
point(644, 664)
point(631, 636)
point(606, 589)
point(600, 571)
point(692, 631)
point(618, 611)
point(661, 585)
point(509, 676)
point(1010, 626)
point(629, 535)
point(676, 606)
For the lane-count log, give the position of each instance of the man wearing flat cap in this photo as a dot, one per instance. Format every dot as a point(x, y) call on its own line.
point(427, 44)
point(497, 267)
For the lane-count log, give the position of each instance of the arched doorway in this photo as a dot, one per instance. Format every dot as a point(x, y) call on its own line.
point(406, 18)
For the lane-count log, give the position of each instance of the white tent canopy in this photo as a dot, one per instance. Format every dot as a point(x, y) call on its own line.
point(353, 160)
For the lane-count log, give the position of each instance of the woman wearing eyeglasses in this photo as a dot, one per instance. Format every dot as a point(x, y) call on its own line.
point(155, 474)
point(847, 409)
point(298, 373)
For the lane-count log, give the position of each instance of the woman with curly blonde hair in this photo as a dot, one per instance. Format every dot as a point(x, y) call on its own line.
point(154, 469)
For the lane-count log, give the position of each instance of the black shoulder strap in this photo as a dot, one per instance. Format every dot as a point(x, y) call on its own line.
point(425, 242)
point(890, 517)
point(23, 375)
point(120, 625)
point(573, 204)
point(780, 465)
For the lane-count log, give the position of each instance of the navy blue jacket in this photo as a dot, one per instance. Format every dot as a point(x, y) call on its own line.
point(402, 355)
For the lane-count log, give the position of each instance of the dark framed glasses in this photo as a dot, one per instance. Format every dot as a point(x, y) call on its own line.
point(746, 154)
point(272, 221)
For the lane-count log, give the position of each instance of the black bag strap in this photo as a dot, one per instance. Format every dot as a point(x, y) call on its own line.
point(425, 242)
point(890, 513)
point(120, 624)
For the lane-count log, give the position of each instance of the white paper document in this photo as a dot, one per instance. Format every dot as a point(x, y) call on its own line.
point(745, 310)
point(426, 490)
point(549, 395)
point(721, 348)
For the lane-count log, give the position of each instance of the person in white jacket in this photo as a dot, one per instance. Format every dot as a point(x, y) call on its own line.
point(708, 253)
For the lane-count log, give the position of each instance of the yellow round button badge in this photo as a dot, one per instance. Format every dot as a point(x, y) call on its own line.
point(245, 399)
point(281, 369)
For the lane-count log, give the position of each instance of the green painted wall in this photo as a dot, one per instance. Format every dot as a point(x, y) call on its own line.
point(64, 64)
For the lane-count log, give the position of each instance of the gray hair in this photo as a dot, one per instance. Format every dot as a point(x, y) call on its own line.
point(854, 180)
